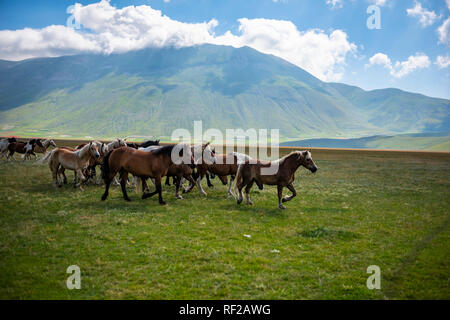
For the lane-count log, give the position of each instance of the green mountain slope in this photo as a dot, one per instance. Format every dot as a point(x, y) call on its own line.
point(422, 141)
point(154, 91)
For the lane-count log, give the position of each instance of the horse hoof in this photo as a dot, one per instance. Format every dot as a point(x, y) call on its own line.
point(163, 203)
point(250, 203)
point(239, 201)
point(128, 199)
point(104, 197)
point(281, 207)
point(179, 197)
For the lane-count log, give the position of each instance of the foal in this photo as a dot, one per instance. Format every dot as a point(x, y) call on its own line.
point(142, 164)
point(248, 173)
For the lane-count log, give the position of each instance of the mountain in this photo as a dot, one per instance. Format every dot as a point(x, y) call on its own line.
point(418, 141)
point(154, 91)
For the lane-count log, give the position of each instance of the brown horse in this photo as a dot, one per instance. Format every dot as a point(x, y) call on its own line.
point(20, 147)
point(248, 173)
point(142, 164)
point(178, 172)
point(224, 166)
point(73, 160)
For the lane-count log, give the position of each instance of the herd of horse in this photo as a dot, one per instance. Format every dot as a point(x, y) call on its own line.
point(149, 160)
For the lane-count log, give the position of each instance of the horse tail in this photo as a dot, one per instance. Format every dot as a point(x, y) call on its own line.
point(105, 167)
point(47, 158)
point(238, 178)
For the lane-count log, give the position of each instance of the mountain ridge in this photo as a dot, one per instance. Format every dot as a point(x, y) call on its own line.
point(153, 91)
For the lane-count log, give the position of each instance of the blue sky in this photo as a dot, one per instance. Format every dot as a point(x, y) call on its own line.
point(346, 54)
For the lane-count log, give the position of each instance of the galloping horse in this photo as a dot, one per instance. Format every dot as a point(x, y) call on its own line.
point(21, 147)
point(248, 173)
point(73, 160)
point(4, 143)
point(179, 172)
point(39, 147)
point(225, 165)
point(141, 164)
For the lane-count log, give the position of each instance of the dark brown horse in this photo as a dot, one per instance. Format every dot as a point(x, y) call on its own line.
point(142, 164)
point(20, 147)
point(282, 175)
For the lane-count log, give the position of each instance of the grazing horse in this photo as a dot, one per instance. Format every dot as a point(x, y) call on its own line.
point(141, 164)
point(4, 143)
point(248, 173)
point(72, 160)
point(39, 147)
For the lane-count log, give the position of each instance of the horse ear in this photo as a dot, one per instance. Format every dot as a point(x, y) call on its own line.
point(207, 144)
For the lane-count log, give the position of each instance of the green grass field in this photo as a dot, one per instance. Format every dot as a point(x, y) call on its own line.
point(361, 208)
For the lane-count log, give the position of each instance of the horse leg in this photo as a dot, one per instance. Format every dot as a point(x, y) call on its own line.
point(55, 170)
point(199, 184)
point(231, 184)
point(239, 187)
point(280, 196)
point(177, 187)
point(260, 185)
point(210, 185)
point(123, 184)
point(81, 177)
point(159, 190)
point(62, 172)
point(247, 193)
point(105, 194)
point(167, 181)
point(145, 193)
point(294, 193)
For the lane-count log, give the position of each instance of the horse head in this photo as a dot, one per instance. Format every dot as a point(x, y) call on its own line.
point(93, 148)
point(305, 160)
point(209, 154)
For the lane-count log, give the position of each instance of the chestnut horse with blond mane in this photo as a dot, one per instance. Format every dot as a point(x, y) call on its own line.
point(76, 160)
point(250, 172)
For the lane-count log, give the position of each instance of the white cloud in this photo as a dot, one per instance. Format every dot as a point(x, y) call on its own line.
point(444, 32)
point(426, 17)
point(380, 59)
point(400, 68)
point(443, 61)
point(335, 4)
point(107, 29)
point(448, 4)
point(315, 51)
point(380, 3)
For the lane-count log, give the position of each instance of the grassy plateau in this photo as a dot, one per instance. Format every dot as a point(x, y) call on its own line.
point(362, 208)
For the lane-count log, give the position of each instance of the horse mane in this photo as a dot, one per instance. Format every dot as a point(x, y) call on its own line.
point(166, 150)
point(82, 151)
point(149, 143)
point(133, 145)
